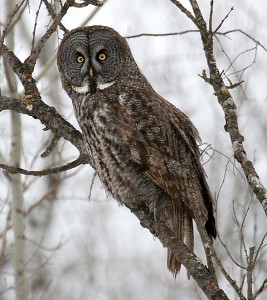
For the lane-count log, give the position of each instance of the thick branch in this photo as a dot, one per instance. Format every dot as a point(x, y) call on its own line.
point(191, 262)
point(50, 118)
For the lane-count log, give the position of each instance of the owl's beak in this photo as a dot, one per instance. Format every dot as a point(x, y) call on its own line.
point(91, 73)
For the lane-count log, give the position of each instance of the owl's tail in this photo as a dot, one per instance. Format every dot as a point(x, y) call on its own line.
point(183, 228)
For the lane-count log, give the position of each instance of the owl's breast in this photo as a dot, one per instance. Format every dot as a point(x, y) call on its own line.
point(108, 131)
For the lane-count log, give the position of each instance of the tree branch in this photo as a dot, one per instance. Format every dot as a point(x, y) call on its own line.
point(191, 262)
point(15, 170)
point(50, 118)
point(227, 103)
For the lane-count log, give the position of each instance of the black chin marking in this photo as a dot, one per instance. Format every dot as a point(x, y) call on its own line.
point(93, 86)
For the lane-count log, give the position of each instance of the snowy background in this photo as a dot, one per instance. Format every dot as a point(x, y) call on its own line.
point(81, 249)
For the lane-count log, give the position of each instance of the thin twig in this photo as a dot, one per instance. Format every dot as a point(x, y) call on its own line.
point(161, 34)
point(227, 103)
point(50, 191)
point(223, 20)
point(9, 21)
point(244, 33)
point(53, 15)
point(31, 61)
point(231, 281)
point(51, 146)
point(259, 248)
point(261, 288)
point(230, 255)
point(250, 273)
point(211, 15)
point(35, 25)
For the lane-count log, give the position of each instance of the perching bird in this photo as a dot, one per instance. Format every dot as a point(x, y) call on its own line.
point(142, 147)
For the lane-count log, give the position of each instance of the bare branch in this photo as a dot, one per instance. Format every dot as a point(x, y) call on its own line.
point(231, 281)
point(53, 15)
point(230, 255)
point(9, 21)
point(244, 33)
point(161, 34)
point(15, 170)
point(259, 248)
point(211, 15)
point(50, 191)
point(50, 118)
point(30, 62)
point(183, 9)
point(227, 103)
point(35, 25)
point(260, 290)
point(85, 3)
point(223, 20)
point(192, 263)
point(250, 273)
point(51, 146)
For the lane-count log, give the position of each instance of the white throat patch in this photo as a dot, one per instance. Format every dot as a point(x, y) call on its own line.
point(85, 88)
point(102, 86)
point(81, 89)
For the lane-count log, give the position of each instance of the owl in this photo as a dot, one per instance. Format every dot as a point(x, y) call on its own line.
point(142, 147)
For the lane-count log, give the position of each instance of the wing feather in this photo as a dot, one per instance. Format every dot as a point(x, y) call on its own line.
point(167, 145)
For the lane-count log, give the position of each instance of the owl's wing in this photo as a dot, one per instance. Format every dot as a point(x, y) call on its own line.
point(165, 141)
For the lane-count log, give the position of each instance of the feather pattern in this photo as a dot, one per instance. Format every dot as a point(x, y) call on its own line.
point(143, 148)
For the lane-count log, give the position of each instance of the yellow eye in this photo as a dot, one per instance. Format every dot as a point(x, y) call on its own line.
point(102, 56)
point(80, 59)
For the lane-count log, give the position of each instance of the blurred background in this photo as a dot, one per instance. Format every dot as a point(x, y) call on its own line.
point(80, 244)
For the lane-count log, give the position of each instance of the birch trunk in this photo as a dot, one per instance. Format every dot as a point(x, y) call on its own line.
point(18, 255)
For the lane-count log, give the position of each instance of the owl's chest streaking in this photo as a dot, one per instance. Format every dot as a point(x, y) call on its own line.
point(109, 132)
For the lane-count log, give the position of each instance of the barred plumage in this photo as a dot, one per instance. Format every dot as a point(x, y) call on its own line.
point(141, 146)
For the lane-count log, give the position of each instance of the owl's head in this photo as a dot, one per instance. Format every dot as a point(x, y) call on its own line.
point(92, 58)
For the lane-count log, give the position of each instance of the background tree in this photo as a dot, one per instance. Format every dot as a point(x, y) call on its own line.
point(80, 249)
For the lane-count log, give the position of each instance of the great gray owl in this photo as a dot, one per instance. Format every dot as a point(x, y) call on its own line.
point(142, 147)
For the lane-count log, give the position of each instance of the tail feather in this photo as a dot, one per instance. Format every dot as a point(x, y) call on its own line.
point(183, 228)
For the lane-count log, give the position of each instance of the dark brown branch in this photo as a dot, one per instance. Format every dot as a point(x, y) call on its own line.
point(14, 170)
point(85, 3)
point(50, 118)
point(191, 262)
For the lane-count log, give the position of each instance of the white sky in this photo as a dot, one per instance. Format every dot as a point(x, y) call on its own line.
point(101, 236)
